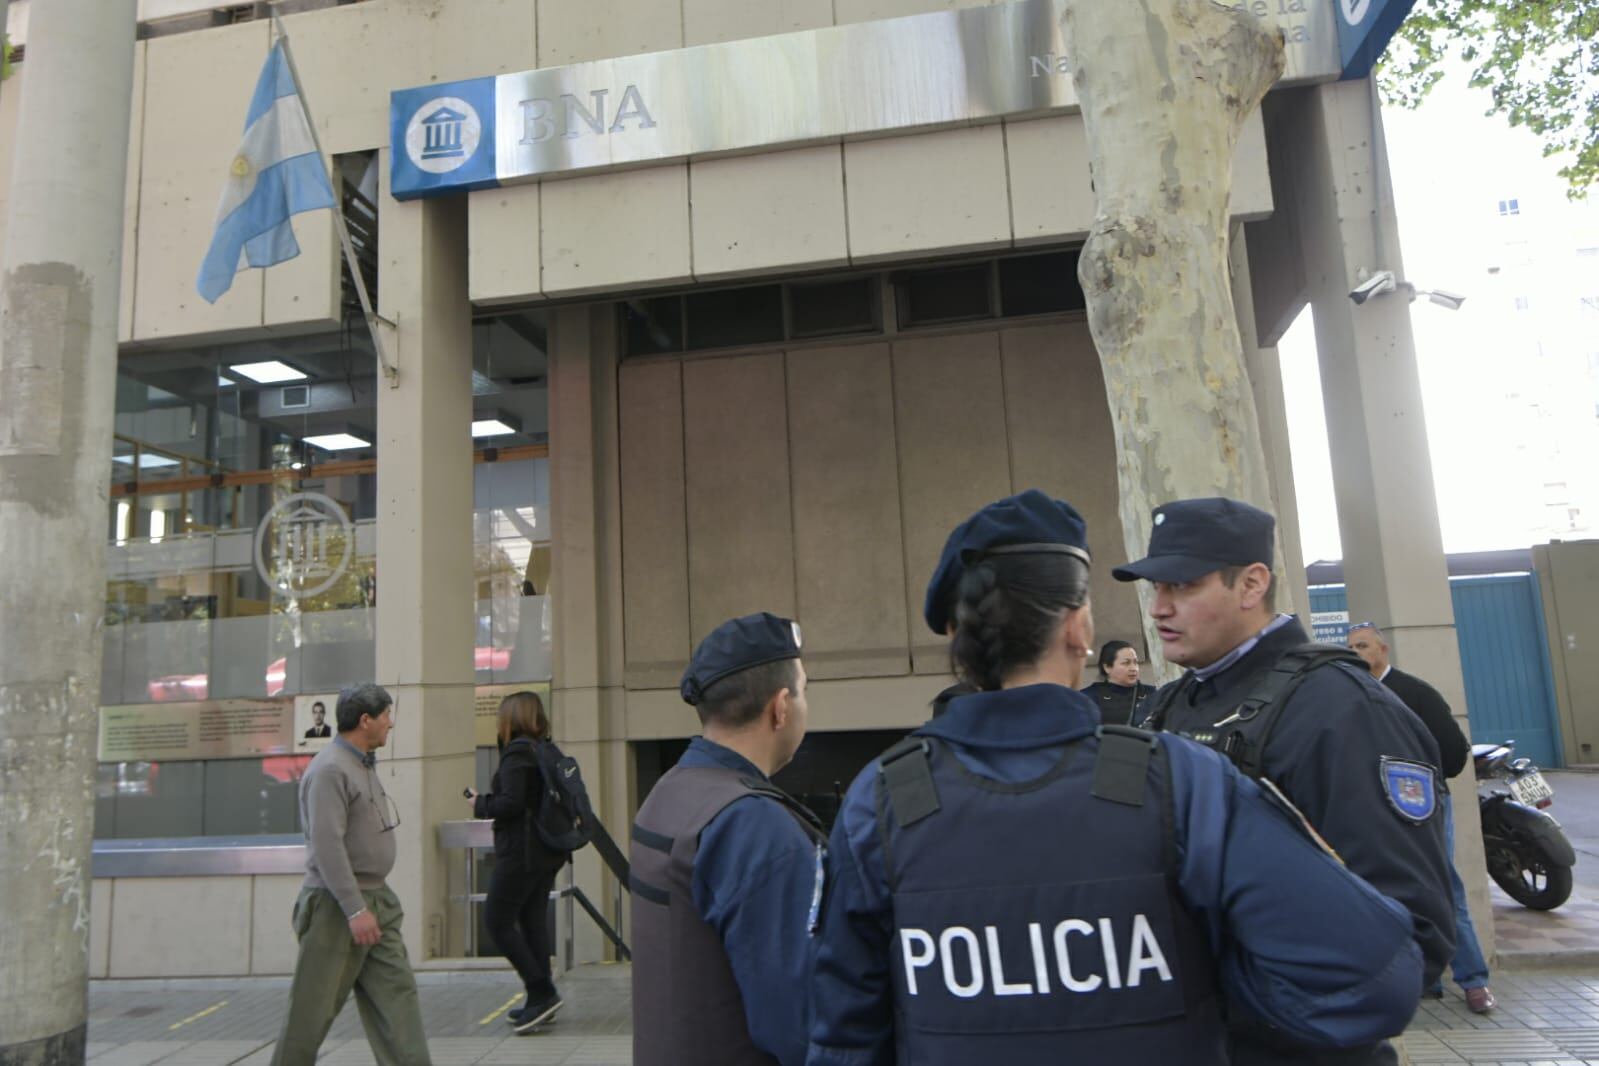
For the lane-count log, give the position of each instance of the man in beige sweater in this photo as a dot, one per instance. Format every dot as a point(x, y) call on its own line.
point(346, 917)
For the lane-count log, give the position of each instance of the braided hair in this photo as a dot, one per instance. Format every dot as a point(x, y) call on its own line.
point(1006, 609)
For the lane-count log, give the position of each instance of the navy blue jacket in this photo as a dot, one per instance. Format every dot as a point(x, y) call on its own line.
point(1254, 880)
point(1326, 753)
point(756, 877)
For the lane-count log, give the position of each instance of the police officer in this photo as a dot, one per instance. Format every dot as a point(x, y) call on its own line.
point(1016, 884)
point(726, 868)
point(1307, 717)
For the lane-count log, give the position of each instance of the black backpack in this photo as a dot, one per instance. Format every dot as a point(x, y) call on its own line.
point(565, 820)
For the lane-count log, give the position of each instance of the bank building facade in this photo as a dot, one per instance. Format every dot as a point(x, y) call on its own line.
point(697, 309)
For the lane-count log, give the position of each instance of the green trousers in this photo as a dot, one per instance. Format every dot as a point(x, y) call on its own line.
point(331, 965)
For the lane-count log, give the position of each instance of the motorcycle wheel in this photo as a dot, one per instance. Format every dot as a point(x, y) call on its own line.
point(1529, 877)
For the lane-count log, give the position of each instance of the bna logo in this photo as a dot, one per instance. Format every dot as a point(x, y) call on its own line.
point(443, 134)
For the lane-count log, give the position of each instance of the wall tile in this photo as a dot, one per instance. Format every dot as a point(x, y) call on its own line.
point(958, 200)
point(616, 231)
point(763, 212)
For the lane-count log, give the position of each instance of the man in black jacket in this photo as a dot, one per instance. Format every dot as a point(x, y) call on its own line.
point(1359, 765)
point(1469, 966)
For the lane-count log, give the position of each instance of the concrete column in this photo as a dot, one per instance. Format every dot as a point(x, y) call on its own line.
point(1394, 565)
point(424, 555)
point(1266, 381)
point(589, 701)
point(59, 294)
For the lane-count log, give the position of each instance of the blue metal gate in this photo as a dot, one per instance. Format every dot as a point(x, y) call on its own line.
point(1499, 624)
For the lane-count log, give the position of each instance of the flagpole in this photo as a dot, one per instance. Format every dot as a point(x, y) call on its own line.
point(390, 371)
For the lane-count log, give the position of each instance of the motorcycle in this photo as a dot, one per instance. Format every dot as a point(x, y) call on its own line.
point(1528, 853)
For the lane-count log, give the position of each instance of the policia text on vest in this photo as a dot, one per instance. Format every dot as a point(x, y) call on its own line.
point(1078, 955)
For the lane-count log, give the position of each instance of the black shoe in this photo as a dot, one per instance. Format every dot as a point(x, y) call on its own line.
point(535, 1014)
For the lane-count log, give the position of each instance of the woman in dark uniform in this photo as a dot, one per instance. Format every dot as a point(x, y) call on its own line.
point(1117, 693)
point(524, 868)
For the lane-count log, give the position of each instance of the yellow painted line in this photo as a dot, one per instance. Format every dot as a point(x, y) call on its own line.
point(196, 1017)
point(508, 1005)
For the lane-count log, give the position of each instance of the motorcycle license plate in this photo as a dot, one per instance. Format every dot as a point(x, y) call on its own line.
point(1531, 789)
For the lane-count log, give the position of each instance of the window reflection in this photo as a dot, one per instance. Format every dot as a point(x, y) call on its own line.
point(215, 449)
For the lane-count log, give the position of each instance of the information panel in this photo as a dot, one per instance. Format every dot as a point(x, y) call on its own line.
point(226, 729)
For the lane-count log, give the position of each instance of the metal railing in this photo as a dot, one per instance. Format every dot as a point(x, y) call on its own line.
point(474, 835)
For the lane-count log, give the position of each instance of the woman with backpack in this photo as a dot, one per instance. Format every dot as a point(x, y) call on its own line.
point(524, 866)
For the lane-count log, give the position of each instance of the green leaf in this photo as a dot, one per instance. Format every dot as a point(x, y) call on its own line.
point(1537, 58)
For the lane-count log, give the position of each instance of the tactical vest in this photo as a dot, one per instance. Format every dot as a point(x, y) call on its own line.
point(687, 1007)
point(1242, 730)
point(1040, 922)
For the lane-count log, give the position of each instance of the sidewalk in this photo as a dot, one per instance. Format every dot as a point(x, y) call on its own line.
point(1565, 937)
point(1545, 1018)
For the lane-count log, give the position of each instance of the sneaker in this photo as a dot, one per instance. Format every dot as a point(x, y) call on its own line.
point(1435, 992)
point(1480, 1000)
point(536, 1014)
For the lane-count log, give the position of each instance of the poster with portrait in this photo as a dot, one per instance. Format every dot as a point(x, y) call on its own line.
point(314, 725)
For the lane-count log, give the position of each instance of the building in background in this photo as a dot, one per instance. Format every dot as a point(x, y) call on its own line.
point(648, 379)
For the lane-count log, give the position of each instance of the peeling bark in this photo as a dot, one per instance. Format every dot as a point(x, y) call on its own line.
point(1165, 87)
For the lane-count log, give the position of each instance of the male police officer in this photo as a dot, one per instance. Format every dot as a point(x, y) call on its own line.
point(1343, 748)
point(727, 869)
point(1013, 885)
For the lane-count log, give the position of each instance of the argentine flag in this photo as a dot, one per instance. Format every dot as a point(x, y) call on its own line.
point(276, 173)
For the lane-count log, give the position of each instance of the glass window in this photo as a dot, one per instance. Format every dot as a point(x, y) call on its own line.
point(723, 318)
point(831, 308)
point(242, 521)
point(1040, 284)
point(242, 539)
point(944, 294)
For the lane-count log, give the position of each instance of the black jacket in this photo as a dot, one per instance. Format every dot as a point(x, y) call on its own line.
point(512, 801)
point(1120, 704)
point(1326, 753)
point(1433, 710)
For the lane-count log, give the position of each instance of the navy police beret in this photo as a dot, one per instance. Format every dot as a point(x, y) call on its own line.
point(1192, 538)
point(1028, 520)
point(738, 644)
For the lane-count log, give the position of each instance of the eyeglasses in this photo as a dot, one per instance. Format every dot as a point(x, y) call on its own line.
point(1362, 625)
point(388, 813)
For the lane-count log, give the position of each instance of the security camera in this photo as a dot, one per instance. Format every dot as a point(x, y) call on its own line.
point(1383, 281)
point(1451, 300)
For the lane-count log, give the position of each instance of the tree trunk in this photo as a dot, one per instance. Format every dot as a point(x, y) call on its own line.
point(58, 349)
point(1165, 86)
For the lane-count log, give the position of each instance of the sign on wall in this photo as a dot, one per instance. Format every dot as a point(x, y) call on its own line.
point(1364, 29)
point(225, 729)
point(944, 68)
point(1330, 627)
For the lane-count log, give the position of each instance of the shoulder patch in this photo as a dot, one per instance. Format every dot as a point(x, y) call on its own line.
point(1411, 787)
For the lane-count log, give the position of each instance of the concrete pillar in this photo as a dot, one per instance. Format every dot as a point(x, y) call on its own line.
point(588, 697)
point(59, 294)
point(425, 604)
point(1394, 564)
point(1266, 381)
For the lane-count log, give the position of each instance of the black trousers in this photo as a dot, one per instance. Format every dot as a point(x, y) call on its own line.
point(516, 914)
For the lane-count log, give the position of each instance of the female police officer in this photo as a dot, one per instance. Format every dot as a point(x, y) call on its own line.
point(1014, 885)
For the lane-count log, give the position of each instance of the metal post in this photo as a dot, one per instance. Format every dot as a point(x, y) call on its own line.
point(469, 939)
point(571, 915)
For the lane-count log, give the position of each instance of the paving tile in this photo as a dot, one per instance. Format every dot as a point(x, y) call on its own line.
point(213, 1052)
point(140, 1053)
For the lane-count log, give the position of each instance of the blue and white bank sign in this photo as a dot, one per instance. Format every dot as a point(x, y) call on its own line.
point(832, 84)
point(442, 138)
point(1364, 29)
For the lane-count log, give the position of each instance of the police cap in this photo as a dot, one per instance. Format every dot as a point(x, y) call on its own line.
point(739, 644)
point(1028, 521)
point(1192, 538)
